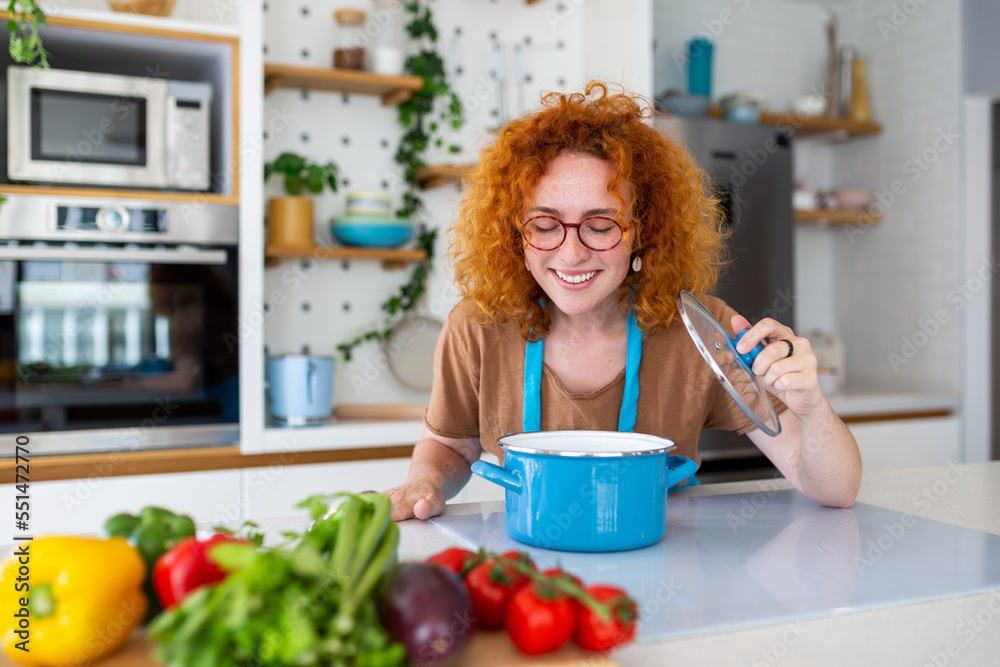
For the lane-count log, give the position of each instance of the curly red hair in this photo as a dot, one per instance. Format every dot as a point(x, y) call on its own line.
point(670, 220)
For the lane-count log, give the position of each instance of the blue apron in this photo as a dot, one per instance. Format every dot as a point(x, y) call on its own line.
point(533, 351)
point(532, 408)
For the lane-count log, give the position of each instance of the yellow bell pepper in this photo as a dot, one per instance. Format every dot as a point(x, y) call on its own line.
point(70, 600)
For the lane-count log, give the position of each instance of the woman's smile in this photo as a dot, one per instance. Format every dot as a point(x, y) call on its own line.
point(575, 278)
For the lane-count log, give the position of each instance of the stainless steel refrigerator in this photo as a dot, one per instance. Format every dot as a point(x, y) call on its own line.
point(750, 168)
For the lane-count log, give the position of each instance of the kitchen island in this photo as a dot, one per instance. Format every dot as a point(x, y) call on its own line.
point(957, 630)
point(951, 630)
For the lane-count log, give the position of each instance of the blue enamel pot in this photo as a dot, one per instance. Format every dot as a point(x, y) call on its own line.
point(586, 490)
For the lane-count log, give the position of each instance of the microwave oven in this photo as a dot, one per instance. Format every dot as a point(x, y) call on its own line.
point(107, 130)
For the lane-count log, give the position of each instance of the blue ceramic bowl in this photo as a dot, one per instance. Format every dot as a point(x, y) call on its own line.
point(586, 490)
point(371, 232)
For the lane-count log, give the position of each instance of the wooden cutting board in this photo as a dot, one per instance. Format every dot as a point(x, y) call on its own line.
point(487, 649)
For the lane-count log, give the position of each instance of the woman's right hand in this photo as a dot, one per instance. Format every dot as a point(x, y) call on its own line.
point(439, 469)
point(415, 499)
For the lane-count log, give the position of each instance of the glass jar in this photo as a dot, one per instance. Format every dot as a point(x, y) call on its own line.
point(350, 50)
point(388, 32)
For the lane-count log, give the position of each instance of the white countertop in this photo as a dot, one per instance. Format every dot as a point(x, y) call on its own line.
point(955, 631)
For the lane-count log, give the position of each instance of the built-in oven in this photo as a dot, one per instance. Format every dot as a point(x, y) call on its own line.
point(118, 323)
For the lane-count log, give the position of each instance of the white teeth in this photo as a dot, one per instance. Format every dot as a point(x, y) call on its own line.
point(576, 280)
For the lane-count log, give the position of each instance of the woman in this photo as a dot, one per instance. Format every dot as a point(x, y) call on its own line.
point(579, 227)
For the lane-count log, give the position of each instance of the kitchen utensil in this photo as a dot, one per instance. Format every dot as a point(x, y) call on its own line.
point(409, 350)
point(586, 490)
point(519, 78)
point(730, 367)
point(371, 231)
point(500, 79)
point(299, 389)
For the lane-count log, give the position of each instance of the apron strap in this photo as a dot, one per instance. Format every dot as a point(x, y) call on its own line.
point(531, 419)
point(532, 410)
point(633, 355)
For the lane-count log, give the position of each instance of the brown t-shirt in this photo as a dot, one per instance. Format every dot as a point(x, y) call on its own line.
point(479, 375)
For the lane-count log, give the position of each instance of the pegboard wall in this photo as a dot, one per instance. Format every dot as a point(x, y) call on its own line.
point(310, 305)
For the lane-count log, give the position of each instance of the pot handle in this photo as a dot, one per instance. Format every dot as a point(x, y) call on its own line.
point(679, 468)
point(494, 473)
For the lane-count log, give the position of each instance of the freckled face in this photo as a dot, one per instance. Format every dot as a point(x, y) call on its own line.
point(576, 279)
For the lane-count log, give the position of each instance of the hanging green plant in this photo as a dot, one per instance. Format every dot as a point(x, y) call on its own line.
point(23, 19)
point(429, 111)
point(397, 305)
point(424, 118)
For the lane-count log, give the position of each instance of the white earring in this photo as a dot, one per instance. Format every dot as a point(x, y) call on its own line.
point(637, 264)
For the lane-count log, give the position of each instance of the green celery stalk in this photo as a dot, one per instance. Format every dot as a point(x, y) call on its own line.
point(372, 533)
point(376, 568)
point(349, 515)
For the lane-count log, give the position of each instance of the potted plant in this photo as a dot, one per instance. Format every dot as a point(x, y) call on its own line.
point(290, 217)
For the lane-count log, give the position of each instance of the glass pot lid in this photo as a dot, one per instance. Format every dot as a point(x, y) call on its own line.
point(731, 368)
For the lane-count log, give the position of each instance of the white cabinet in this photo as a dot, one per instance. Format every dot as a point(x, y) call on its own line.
point(908, 443)
point(82, 505)
point(274, 491)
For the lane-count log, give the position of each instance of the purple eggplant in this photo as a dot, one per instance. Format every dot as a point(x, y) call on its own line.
point(427, 609)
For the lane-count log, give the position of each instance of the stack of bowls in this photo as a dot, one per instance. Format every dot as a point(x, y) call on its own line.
point(369, 222)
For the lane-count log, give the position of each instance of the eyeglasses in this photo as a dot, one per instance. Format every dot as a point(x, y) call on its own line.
point(545, 232)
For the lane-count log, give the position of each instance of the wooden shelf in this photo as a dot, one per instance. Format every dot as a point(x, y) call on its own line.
point(435, 175)
point(110, 193)
point(187, 459)
point(392, 89)
point(804, 127)
point(838, 217)
point(391, 258)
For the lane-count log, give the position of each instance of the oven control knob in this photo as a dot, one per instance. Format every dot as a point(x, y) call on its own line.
point(113, 219)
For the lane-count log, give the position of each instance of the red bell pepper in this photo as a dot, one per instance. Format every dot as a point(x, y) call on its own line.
point(186, 567)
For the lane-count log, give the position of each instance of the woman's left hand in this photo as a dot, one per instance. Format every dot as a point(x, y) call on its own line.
point(786, 365)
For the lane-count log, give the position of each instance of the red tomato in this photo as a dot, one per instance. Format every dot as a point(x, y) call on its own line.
point(491, 588)
point(597, 634)
point(539, 622)
point(459, 561)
